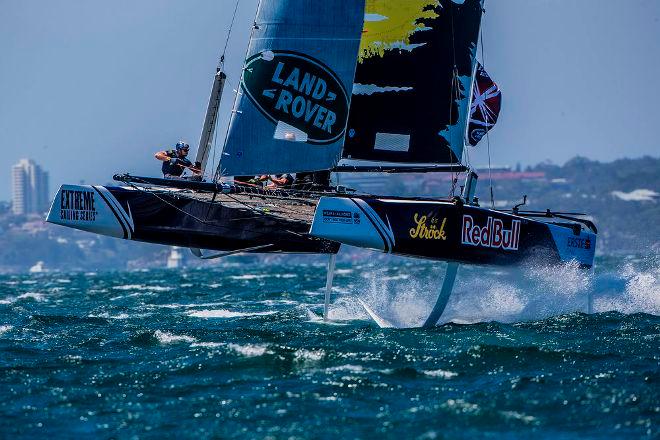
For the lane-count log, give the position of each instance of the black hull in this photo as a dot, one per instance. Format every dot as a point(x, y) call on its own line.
point(448, 231)
point(179, 219)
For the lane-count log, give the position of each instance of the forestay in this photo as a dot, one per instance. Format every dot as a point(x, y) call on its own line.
point(292, 110)
point(413, 80)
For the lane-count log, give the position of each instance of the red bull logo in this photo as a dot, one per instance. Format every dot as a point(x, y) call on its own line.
point(491, 235)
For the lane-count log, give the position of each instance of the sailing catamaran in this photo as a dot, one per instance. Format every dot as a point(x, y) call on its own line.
point(390, 86)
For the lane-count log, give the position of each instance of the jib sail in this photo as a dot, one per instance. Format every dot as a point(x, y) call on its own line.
point(485, 106)
point(413, 80)
point(292, 112)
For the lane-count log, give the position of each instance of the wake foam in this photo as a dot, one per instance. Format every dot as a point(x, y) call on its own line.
point(531, 291)
point(642, 289)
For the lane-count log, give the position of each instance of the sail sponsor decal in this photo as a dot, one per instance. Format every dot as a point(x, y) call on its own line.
point(79, 206)
point(491, 235)
point(340, 216)
point(427, 228)
point(298, 90)
point(414, 77)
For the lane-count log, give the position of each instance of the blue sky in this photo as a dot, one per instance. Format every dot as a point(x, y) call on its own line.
point(89, 87)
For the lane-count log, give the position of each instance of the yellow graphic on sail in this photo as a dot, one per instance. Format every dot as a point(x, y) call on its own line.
point(389, 24)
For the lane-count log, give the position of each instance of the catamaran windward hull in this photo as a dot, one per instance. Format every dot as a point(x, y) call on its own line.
point(443, 230)
point(165, 217)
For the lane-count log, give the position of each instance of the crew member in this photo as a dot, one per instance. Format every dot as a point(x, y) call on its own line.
point(175, 161)
point(275, 181)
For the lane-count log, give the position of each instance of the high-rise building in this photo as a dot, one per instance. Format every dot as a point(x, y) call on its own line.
point(30, 188)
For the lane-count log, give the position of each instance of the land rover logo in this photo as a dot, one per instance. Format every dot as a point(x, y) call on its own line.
point(298, 90)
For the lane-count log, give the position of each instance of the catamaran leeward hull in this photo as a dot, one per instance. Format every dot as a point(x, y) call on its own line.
point(443, 230)
point(177, 218)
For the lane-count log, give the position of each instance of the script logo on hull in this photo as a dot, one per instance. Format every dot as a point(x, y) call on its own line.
point(428, 228)
point(299, 91)
point(491, 235)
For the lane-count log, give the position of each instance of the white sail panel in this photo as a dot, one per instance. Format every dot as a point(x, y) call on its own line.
point(292, 112)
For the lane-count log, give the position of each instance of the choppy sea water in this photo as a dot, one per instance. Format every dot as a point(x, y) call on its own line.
point(239, 351)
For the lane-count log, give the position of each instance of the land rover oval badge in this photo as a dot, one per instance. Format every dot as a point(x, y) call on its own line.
point(298, 90)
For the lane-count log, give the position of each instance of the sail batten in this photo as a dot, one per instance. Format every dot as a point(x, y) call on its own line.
point(293, 109)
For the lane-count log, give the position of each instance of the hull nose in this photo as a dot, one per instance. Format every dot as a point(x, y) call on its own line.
point(92, 209)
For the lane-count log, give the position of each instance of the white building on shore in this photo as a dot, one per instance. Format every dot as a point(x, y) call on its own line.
point(29, 188)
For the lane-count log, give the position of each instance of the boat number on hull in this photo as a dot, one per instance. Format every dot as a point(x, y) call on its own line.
point(579, 243)
point(490, 235)
point(77, 206)
point(298, 90)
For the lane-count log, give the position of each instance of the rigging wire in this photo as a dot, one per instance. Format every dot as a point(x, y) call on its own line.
point(490, 176)
point(454, 80)
point(218, 172)
point(221, 65)
point(231, 26)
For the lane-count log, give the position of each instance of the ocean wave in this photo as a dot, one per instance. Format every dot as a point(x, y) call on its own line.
point(308, 356)
point(106, 315)
point(276, 302)
point(207, 344)
point(444, 374)
point(350, 368)
point(170, 338)
point(223, 313)
point(343, 271)
point(5, 328)
point(250, 276)
point(34, 296)
point(143, 287)
point(249, 350)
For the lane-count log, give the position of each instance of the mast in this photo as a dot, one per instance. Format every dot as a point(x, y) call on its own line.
point(211, 119)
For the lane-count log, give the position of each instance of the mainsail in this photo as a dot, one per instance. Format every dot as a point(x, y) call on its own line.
point(413, 81)
point(292, 111)
point(485, 106)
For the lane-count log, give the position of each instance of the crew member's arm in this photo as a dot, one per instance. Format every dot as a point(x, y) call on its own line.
point(283, 180)
point(278, 180)
point(162, 156)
